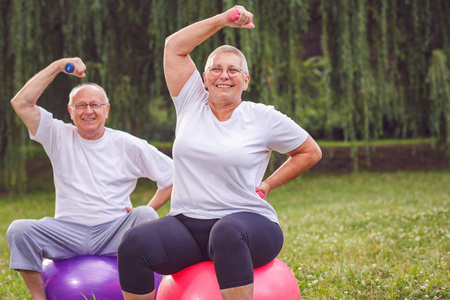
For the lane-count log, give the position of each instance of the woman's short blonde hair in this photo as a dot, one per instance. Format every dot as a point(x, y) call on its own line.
point(227, 49)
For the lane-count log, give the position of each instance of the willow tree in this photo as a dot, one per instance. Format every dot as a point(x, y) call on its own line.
point(379, 53)
point(438, 79)
point(381, 70)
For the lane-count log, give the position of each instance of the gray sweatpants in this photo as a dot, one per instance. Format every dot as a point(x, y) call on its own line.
point(30, 241)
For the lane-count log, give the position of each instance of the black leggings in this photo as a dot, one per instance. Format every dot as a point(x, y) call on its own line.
point(236, 244)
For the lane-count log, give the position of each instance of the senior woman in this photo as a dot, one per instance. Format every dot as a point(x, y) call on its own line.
point(221, 151)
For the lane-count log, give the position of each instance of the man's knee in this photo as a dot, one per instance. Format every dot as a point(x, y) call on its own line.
point(143, 214)
point(18, 229)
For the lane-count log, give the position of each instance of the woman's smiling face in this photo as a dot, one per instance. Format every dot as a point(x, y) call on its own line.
point(223, 87)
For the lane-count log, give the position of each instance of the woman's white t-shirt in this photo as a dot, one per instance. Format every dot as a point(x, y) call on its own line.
point(218, 165)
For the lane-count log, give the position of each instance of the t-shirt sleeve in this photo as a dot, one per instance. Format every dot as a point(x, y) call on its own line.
point(48, 132)
point(155, 165)
point(192, 92)
point(285, 135)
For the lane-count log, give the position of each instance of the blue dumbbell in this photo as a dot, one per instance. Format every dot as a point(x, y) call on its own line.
point(69, 68)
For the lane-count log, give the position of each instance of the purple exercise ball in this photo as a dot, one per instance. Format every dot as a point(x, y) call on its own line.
point(83, 277)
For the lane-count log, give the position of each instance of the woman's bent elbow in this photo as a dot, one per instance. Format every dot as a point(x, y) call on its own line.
point(318, 155)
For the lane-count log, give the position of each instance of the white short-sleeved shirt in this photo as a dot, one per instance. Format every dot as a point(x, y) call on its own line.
point(94, 178)
point(217, 165)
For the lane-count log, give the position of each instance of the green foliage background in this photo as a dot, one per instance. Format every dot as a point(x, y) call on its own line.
point(344, 70)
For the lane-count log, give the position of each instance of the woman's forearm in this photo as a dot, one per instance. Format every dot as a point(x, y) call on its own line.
point(300, 160)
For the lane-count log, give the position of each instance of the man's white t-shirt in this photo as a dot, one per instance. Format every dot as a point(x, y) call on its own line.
point(218, 165)
point(94, 178)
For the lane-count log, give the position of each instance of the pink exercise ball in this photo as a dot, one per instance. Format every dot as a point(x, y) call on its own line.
point(87, 276)
point(272, 281)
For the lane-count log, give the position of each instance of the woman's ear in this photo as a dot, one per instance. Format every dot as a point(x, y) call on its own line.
point(246, 82)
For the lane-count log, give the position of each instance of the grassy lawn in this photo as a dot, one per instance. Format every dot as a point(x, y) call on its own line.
point(354, 236)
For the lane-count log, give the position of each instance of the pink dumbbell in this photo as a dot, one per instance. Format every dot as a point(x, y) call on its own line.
point(235, 14)
point(261, 194)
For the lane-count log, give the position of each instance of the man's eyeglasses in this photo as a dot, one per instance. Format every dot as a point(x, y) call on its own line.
point(232, 71)
point(83, 106)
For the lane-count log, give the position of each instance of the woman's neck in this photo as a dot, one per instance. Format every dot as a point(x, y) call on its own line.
point(223, 111)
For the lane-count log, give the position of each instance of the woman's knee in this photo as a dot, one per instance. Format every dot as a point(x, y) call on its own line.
point(246, 232)
point(143, 238)
point(165, 245)
point(133, 241)
point(227, 234)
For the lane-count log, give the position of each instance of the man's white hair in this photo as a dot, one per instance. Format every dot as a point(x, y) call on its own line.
point(76, 89)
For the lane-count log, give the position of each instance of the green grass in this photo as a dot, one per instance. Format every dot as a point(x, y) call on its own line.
point(356, 236)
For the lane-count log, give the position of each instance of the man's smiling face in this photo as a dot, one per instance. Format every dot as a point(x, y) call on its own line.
point(90, 122)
